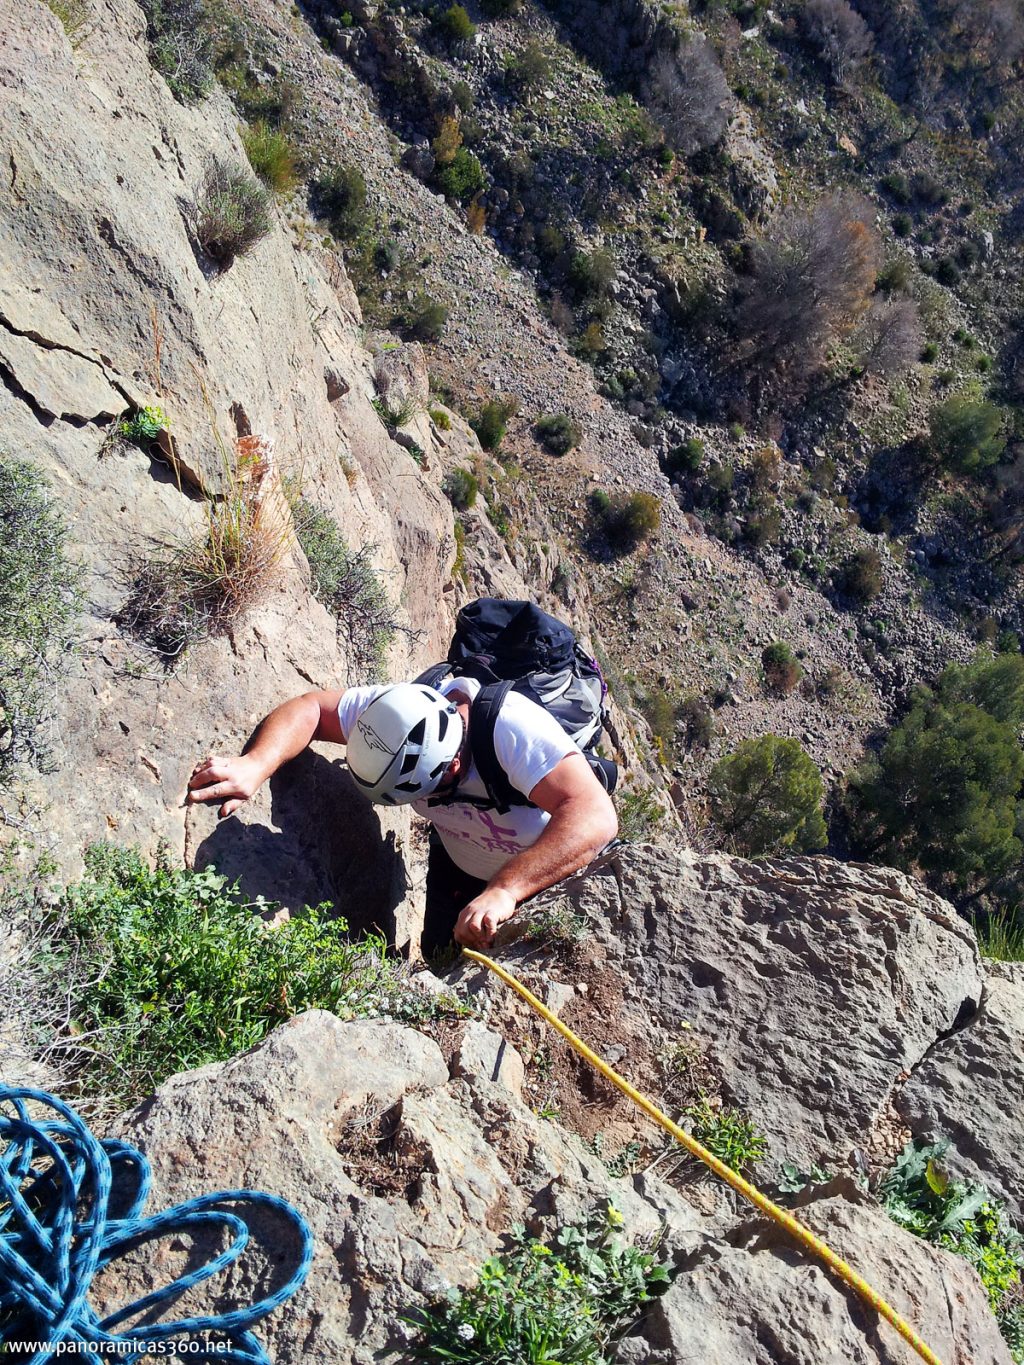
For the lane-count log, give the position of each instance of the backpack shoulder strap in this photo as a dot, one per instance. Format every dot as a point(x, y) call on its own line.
point(483, 719)
point(435, 674)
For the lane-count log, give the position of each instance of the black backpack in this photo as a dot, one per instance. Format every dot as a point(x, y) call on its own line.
point(515, 646)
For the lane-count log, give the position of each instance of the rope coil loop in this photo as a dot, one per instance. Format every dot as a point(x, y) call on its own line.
point(56, 1232)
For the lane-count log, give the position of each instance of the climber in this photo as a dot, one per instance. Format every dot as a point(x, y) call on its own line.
point(409, 743)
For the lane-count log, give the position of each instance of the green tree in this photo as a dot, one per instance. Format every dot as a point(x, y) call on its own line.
point(767, 796)
point(942, 793)
point(996, 685)
point(967, 434)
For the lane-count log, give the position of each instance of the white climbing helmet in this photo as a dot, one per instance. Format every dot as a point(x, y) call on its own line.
point(403, 743)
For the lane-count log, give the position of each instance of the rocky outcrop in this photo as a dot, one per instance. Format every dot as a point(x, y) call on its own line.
point(815, 985)
point(968, 1089)
point(408, 1178)
point(750, 1299)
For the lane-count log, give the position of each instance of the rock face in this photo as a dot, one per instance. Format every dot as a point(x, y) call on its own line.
point(751, 1299)
point(817, 985)
point(396, 1218)
point(970, 1086)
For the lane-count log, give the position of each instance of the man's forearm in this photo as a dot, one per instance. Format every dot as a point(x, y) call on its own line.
point(573, 836)
point(283, 735)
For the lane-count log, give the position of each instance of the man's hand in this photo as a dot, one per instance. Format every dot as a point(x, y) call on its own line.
point(229, 780)
point(479, 921)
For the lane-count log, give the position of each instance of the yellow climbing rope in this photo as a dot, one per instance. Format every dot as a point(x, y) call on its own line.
point(760, 1201)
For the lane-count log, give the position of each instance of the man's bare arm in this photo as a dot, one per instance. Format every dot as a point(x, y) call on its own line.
point(582, 821)
point(282, 735)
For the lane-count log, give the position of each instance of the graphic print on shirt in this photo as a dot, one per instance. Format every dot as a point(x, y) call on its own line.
point(502, 838)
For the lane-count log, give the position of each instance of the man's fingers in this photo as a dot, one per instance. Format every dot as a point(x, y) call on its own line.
point(229, 807)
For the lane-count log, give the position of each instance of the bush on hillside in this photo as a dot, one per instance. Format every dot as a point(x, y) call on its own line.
point(491, 422)
point(840, 35)
point(530, 68)
point(462, 178)
point(461, 487)
point(967, 434)
point(688, 94)
point(339, 198)
point(454, 24)
point(182, 37)
point(40, 598)
point(558, 432)
point(782, 669)
point(767, 797)
point(424, 319)
point(684, 459)
point(627, 519)
point(592, 274)
point(348, 585)
point(861, 576)
point(271, 156)
point(231, 212)
point(943, 793)
point(811, 278)
point(890, 338)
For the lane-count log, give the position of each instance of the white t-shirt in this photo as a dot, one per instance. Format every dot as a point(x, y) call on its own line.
point(528, 743)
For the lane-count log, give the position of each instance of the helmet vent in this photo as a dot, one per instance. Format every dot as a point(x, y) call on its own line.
point(442, 725)
point(418, 732)
point(408, 763)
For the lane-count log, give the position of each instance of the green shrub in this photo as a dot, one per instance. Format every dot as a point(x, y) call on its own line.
point(491, 422)
point(627, 519)
point(539, 1304)
point(592, 274)
point(339, 198)
point(455, 25)
point(182, 45)
point(143, 426)
point(440, 419)
point(919, 1194)
point(684, 459)
point(727, 1133)
point(347, 583)
point(762, 528)
point(461, 486)
point(231, 212)
point(639, 814)
point(967, 434)
point(941, 795)
point(186, 972)
point(902, 224)
point(698, 722)
point(861, 576)
point(558, 432)
point(897, 186)
point(767, 797)
point(782, 669)
point(930, 353)
point(462, 178)
point(1001, 935)
point(424, 320)
point(530, 68)
point(271, 156)
point(40, 598)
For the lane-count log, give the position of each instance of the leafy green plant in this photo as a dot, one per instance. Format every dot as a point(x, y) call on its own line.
point(558, 432)
point(271, 156)
point(347, 583)
point(794, 1179)
point(627, 519)
point(726, 1132)
point(440, 419)
point(561, 1304)
point(454, 24)
point(529, 68)
point(767, 796)
point(968, 434)
point(461, 487)
point(394, 414)
point(556, 924)
point(861, 576)
point(230, 212)
point(186, 972)
point(144, 425)
point(639, 815)
point(39, 603)
point(462, 177)
point(424, 319)
point(684, 459)
point(491, 422)
point(920, 1195)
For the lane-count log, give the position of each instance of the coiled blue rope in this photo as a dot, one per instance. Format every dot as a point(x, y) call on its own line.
point(55, 1234)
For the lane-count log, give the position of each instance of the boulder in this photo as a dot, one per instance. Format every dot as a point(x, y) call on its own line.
point(754, 1298)
point(815, 985)
point(969, 1089)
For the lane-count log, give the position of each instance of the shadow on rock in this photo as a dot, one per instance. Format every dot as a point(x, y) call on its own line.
point(324, 843)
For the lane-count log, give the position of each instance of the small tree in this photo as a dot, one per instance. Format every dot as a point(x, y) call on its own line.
point(811, 278)
point(767, 796)
point(529, 69)
point(890, 339)
point(689, 96)
point(840, 35)
point(463, 177)
point(455, 25)
point(968, 434)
